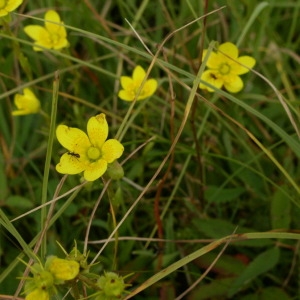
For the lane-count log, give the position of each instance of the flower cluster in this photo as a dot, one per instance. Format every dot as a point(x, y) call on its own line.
point(7, 6)
point(26, 103)
point(89, 153)
point(224, 68)
point(69, 272)
point(131, 86)
point(52, 36)
point(43, 283)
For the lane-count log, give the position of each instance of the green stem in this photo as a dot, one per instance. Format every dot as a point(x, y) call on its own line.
point(111, 196)
point(48, 159)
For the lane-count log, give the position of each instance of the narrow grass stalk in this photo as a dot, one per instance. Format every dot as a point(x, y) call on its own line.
point(251, 20)
point(208, 248)
point(48, 158)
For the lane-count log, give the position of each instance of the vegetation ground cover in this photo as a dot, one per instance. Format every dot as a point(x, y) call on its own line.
point(142, 156)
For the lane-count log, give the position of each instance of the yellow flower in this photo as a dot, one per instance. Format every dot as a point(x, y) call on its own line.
point(131, 86)
point(62, 269)
point(39, 294)
point(6, 6)
point(52, 36)
point(90, 152)
point(26, 103)
point(225, 67)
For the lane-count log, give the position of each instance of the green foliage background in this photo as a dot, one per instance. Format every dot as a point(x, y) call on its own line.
point(234, 168)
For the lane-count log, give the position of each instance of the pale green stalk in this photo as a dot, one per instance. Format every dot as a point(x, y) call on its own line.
point(208, 248)
point(252, 19)
point(48, 159)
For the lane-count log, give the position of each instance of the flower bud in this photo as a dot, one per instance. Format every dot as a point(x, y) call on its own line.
point(115, 171)
point(111, 284)
point(62, 269)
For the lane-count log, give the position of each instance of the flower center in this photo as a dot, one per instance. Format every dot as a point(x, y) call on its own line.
point(3, 3)
point(137, 86)
point(93, 153)
point(54, 37)
point(224, 69)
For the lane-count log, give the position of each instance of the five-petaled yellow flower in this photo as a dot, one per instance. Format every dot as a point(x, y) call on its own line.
point(52, 36)
point(225, 67)
point(131, 86)
point(6, 6)
point(89, 153)
point(26, 103)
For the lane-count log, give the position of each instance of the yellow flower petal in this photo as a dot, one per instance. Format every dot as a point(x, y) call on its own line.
point(63, 269)
point(73, 139)
point(148, 89)
point(26, 103)
point(60, 44)
point(211, 78)
point(95, 170)
point(234, 84)
point(97, 129)
point(12, 4)
point(247, 61)
point(126, 95)
point(70, 164)
point(57, 32)
point(40, 35)
point(39, 294)
point(111, 150)
point(212, 61)
point(35, 31)
point(138, 74)
point(126, 82)
point(229, 49)
point(7, 6)
point(52, 16)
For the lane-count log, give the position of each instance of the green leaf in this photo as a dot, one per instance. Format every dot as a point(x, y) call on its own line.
point(217, 228)
point(226, 265)
point(217, 289)
point(280, 211)
point(261, 264)
point(19, 202)
point(217, 195)
point(274, 293)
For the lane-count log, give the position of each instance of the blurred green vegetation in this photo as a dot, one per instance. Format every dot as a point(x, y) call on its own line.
point(234, 168)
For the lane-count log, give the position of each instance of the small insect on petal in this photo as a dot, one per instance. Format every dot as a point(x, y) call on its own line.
point(74, 154)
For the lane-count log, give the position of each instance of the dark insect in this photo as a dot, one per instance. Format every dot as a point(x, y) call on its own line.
point(74, 154)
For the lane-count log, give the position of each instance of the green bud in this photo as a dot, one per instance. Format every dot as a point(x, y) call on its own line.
point(76, 255)
point(115, 170)
point(43, 280)
point(111, 284)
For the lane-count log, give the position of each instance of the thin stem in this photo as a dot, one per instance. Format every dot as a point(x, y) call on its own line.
point(48, 158)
